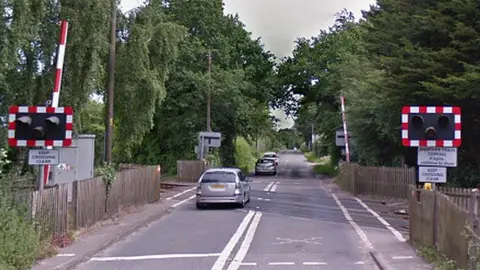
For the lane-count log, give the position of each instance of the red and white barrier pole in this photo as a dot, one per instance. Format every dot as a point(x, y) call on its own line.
point(345, 132)
point(58, 81)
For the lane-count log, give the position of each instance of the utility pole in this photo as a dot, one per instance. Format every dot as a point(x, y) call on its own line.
point(111, 84)
point(209, 94)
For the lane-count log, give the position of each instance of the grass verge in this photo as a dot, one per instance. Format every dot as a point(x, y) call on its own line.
point(325, 169)
point(433, 256)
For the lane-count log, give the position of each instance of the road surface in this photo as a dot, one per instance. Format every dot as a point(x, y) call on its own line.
point(290, 223)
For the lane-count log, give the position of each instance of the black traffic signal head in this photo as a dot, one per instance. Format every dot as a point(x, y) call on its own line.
point(40, 126)
point(431, 126)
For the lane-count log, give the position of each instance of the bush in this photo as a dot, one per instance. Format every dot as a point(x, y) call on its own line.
point(19, 240)
point(244, 155)
point(325, 169)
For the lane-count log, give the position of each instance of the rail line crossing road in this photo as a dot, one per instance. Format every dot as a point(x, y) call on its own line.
point(290, 223)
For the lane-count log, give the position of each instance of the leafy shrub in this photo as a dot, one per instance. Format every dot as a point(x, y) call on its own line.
point(244, 155)
point(325, 169)
point(19, 240)
point(304, 147)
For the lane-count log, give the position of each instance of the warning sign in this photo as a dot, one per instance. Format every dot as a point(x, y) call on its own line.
point(432, 174)
point(43, 157)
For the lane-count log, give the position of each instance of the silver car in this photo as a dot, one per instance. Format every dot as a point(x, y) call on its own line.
point(265, 166)
point(223, 185)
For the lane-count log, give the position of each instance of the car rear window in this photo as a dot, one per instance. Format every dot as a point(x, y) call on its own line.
point(218, 177)
point(264, 161)
point(270, 155)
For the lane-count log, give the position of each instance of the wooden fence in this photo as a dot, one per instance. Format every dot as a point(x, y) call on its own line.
point(376, 181)
point(190, 170)
point(446, 221)
point(54, 215)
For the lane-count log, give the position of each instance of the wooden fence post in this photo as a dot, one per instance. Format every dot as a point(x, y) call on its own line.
point(473, 220)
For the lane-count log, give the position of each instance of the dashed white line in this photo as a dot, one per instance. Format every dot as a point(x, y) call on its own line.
point(269, 186)
point(357, 228)
point(397, 234)
point(281, 263)
point(184, 201)
point(153, 257)
point(66, 255)
point(402, 257)
point(314, 263)
point(274, 187)
point(180, 193)
point(357, 263)
point(242, 252)
point(248, 264)
point(222, 259)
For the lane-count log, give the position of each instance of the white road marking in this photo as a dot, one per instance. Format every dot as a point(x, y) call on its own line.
point(184, 201)
point(222, 259)
point(281, 263)
point(242, 251)
point(402, 257)
point(248, 263)
point(274, 187)
point(262, 199)
point(359, 263)
point(180, 193)
point(397, 234)
point(357, 228)
point(153, 257)
point(65, 255)
point(314, 263)
point(269, 186)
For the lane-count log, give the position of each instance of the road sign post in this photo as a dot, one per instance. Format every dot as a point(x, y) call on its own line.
point(436, 133)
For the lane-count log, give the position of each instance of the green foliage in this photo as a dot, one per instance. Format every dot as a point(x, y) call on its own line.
point(325, 169)
point(109, 174)
point(430, 254)
point(244, 155)
point(20, 241)
point(420, 53)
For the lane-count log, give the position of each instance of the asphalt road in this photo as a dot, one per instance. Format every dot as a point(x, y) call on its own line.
point(290, 223)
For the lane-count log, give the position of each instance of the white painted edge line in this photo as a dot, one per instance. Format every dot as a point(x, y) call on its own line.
point(281, 263)
point(248, 264)
point(402, 257)
point(222, 259)
point(247, 241)
point(153, 257)
point(397, 234)
point(274, 187)
point(314, 263)
point(180, 193)
point(355, 226)
point(269, 186)
point(66, 255)
point(184, 201)
point(356, 263)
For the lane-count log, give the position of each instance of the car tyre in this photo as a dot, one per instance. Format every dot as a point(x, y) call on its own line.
point(242, 204)
point(200, 206)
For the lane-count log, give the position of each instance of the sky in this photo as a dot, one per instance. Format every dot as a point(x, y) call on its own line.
point(279, 22)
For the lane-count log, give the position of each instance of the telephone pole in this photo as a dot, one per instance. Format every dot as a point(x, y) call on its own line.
point(111, 84)
point(209, 94)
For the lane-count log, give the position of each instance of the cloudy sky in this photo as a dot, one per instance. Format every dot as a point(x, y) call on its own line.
point(280, 22)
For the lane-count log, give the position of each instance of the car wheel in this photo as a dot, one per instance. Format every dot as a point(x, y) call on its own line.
point(200, 206)
point(242, 204)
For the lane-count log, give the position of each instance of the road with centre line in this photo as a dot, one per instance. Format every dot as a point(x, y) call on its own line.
point(291, 222)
